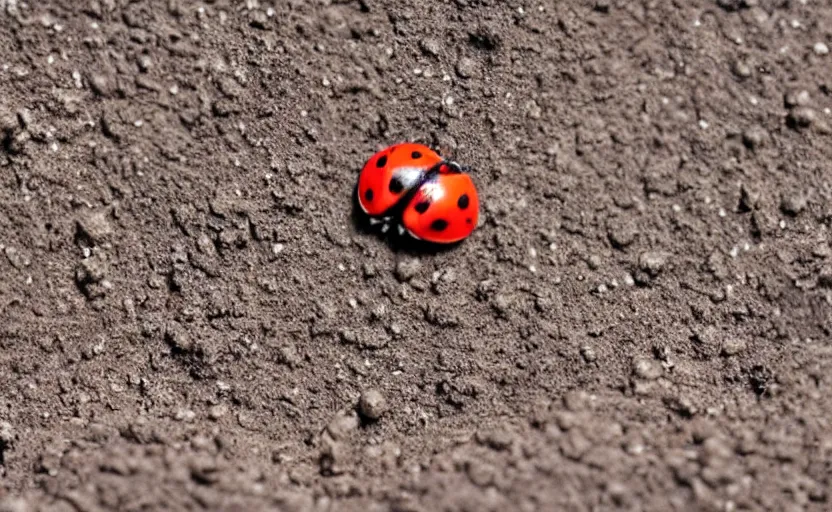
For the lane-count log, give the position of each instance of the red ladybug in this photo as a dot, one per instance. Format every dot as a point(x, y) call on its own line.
point(432, 197)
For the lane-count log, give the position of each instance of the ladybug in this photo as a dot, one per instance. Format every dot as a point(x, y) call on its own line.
point(431, 197)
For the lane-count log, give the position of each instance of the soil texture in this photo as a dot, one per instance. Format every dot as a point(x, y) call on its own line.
point(194, 317)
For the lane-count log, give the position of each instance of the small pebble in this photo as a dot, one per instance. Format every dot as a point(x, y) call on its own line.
point(588, 353)
point(742, 69)
point(802, 117)
point(465, 67)
point(407, 268)
point(372, 404)
point(733, 346)
point(218, 411)
point(430, 46)
point(369, 270)
point(820, 48)
point(652, 262)
point(622, 235)
point(793, 203)
point(754, 137)
point(797, 98)
point(647, 369)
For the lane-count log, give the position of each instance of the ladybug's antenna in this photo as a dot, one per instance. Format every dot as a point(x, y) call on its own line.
point(454, 167)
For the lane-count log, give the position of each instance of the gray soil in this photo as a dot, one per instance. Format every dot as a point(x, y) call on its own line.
point(192, 317)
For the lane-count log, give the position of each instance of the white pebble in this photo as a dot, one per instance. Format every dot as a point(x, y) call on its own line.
point(174, 89)
point(782, 224)
point(628, 280)
point(703, 124)
point(50, 59)
point(676, 208)
point(138, 122)
point(449, 101)
point(270, 12)
point(734, 251)
point(277, 248)
point(602, 288)
point(722, 212)
point(821, 48)
point(417, 71)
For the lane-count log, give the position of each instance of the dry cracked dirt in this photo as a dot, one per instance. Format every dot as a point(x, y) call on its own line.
point(192, 316)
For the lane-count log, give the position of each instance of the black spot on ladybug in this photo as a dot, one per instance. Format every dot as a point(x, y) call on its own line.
point(415, 155)
point(422, 206)
point(382, 161)
point(368, 194)
point(396, 186)
point(468, 220)
point(463, 201)
point(439, 225)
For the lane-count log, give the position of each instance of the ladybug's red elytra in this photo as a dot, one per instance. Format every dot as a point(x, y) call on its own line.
point(431, 197)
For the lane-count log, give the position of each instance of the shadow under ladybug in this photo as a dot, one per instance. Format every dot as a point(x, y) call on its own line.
point(393, 233)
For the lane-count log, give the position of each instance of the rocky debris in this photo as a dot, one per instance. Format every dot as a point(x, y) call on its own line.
point(755, 137)
point(372, 404)
point(93, 227)
point(647, 369)
point(91, 277)
point(407, 269)
point(793, 203)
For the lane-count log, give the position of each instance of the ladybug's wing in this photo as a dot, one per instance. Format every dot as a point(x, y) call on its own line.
point(390, 173)
point(444, 210)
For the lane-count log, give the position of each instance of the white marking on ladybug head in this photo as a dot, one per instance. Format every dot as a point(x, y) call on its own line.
point(385, 227)
point(433, 191)
point(401, 229)
point(408, 176)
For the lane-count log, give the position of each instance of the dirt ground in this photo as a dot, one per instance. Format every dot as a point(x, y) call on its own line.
point(192, 316)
